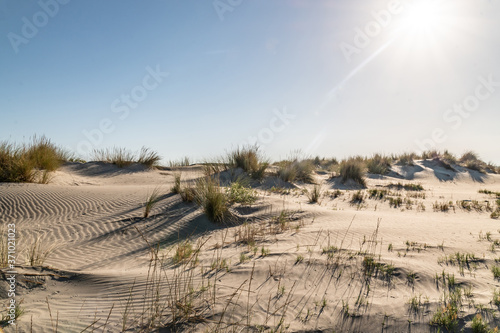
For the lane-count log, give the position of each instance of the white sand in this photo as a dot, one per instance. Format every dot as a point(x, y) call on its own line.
point(90, 213)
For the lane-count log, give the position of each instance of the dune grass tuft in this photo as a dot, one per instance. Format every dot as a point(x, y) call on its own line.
point(406, 159)
point(378, 164)
point(30, 162)
point(122, 157)
point(315, 194)
point(250, 160)
point(37, 252)
point(471, 161)
point(353, 168)
point(148, 157)
point(296, 170)
point(151, 201)
point(214, 201)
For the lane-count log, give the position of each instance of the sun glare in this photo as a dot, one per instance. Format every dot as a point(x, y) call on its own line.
point(424, 16)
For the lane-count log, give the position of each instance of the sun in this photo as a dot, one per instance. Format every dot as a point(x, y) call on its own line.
point(424, 16)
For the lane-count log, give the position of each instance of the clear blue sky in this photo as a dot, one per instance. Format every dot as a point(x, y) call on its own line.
point(354, 77)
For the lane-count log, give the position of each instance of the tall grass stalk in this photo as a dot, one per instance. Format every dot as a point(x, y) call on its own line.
point(151, 200)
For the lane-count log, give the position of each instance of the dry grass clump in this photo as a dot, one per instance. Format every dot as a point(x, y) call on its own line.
point(471, 161)
point(183, 251)
point(180, 163)
point(213, 200)
point(430, 154)
point(4, 247)
point(448, 158)
point(151, 201)
point(315, 194)
point(250, 160)
point(30, 162)
point(325, 163)
point(122, 157)
point(353, 168)
point(187, 193)
point(378, 164)
point(296, 170)
point(37, 252)
point(148, 157)
point(406, 159)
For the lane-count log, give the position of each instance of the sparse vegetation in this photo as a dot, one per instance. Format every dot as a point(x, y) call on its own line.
point(478, 325)
point(442, 206)
point(37, 252)
point(377, 194)
point(395, 202)
point(447, 315)
point(357, 197)
point(183, 251)
point(406, 187)
point(417, 303)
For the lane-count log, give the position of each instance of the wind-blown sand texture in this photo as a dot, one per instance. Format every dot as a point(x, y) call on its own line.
point(307, 271)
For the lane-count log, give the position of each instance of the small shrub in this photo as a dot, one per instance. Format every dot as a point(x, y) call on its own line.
point(239, 193)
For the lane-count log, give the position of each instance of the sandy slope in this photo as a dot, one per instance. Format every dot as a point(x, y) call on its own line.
point(91, 214)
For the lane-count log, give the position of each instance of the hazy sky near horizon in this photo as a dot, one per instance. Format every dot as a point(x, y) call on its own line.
point(196, 78)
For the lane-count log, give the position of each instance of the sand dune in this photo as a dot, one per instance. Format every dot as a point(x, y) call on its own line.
point(91, 218)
